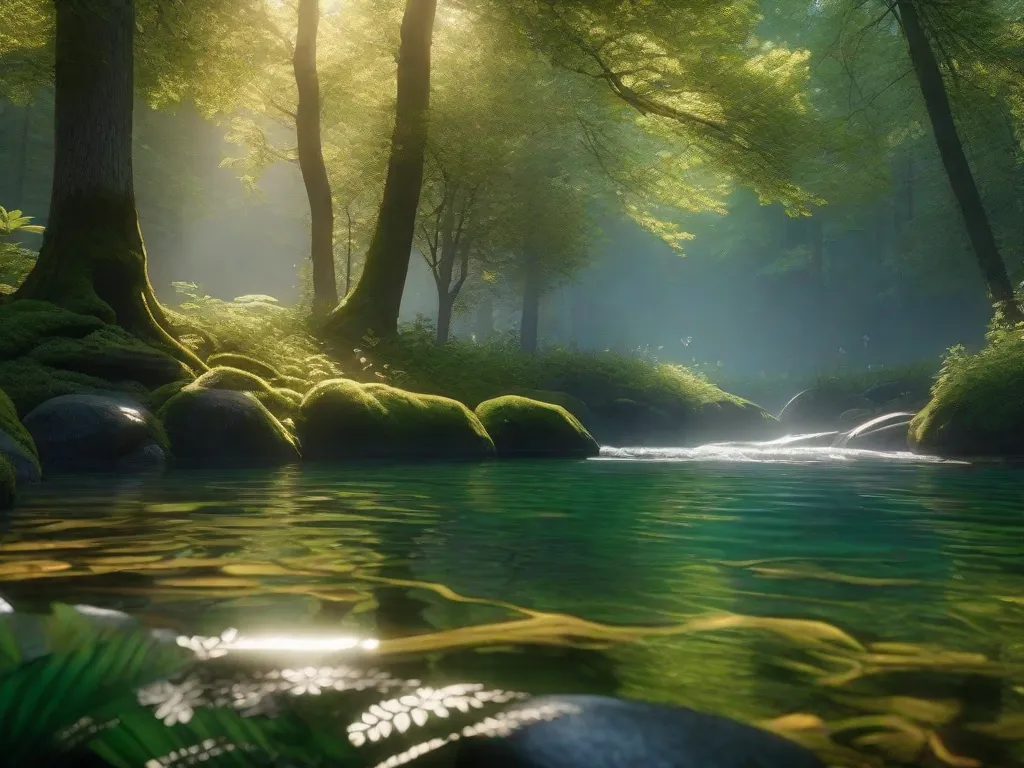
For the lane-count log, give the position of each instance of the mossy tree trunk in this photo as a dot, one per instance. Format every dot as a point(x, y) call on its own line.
point(92, 259)
point(958, 170)
point(311, 159)
point(532, 287)
point(374, 304)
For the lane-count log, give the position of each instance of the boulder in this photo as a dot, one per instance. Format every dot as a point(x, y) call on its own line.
point(283, 403)
point(221, 427)
point(95, 433)
point(602, 732)
point(625, 421)
point(573, 405)
point(521, 427)
point(244, 363)
point(16, 444)
point(341, 419)
point(820, 409)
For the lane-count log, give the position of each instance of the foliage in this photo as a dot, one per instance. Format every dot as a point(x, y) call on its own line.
point(260, 327)
point(15, 260)
point(975, 409)
point(499, 367)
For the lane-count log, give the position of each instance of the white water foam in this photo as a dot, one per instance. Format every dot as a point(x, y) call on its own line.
point(784, 450)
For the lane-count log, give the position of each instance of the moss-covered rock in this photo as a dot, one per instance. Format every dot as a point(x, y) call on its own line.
point(244, 363)
point(217, 427)
point(234, 379)
point(155, 400)
point(16, 444)
point(976, 409)
point(296, 383)
point(25, 324)
point(93, 433)
point(8, 483)
point(29, 383)
point(344, 419)
point(573, 405)
point(521, 427)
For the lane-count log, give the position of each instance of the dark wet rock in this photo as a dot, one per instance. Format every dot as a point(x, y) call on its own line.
point(887, 390)
point(625, 421)
point(95, 433)
point(819, 409)
point(342, 419)
point(224, 427)
point(523, 428)
point(600, 732)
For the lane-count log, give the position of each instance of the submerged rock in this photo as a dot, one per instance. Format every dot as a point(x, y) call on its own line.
point(820, 408)
point(600, 732)
point(95, 433)
point(341, 419)
point(224, 427)
point(16, 444)
point(521, 427)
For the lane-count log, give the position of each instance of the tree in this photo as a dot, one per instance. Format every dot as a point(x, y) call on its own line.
point(374, 304)
point(311, 159)
point(958, 170)
point(92, 258)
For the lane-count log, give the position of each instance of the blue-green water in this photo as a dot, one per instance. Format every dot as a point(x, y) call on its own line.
point(833, 588)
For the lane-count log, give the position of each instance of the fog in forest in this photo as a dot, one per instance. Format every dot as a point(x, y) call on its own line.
point(897, 282)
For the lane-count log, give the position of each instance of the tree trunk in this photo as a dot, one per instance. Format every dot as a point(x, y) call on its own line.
point(374, 304)
point(348, 251)
point(445, 304)
point(92, 258)
point(19, 188)
point(817, 237)
point(484, 323)
point(958, 170)
point(528, 327)
point(311, 160)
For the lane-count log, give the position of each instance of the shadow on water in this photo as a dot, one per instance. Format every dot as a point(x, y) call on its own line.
point(866, 605)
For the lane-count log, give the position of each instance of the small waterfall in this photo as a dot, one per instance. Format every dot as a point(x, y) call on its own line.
point(815, 448)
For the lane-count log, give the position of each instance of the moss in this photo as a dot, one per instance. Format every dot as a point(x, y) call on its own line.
point(296, 383)
point(243, 362)
point(29, 383)
point(976, 407)
point(283, 403)
point(25, 324)
point(521, 427)
point(212, 427)
point(7, 483)
point(112, 354)
point(11, 424)
point(155, 399)
point(344, 419)
point(573, 405)
point(234, 379)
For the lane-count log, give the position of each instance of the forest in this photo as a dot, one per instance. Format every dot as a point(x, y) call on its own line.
point(547, 383)
point(645, 212)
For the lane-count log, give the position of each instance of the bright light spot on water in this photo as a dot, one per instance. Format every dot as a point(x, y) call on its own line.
point(770, 452)
point(230, 641)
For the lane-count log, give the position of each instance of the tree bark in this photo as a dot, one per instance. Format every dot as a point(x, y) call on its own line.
point(958, 170)
point(530, 322)
point(19, 188)
point(484, 324)
point(311, 159)
point(348, 251)
point(92, 259)
point(375, 302)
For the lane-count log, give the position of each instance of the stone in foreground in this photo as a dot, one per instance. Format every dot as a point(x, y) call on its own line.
point(95, 433)
point(600, 732)
point(524, 428)
point(221, 427)
point(343, 419)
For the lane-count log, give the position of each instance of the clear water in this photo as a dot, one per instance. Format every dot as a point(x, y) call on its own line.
point(876, 602)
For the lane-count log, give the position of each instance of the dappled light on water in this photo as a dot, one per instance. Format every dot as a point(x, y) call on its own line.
point(784, 450)
point(869, 610)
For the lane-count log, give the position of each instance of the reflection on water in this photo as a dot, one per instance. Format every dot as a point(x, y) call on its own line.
point(791, 449)
point(871, 609)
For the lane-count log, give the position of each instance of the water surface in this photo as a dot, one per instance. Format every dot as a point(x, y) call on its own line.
point(877, 603)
